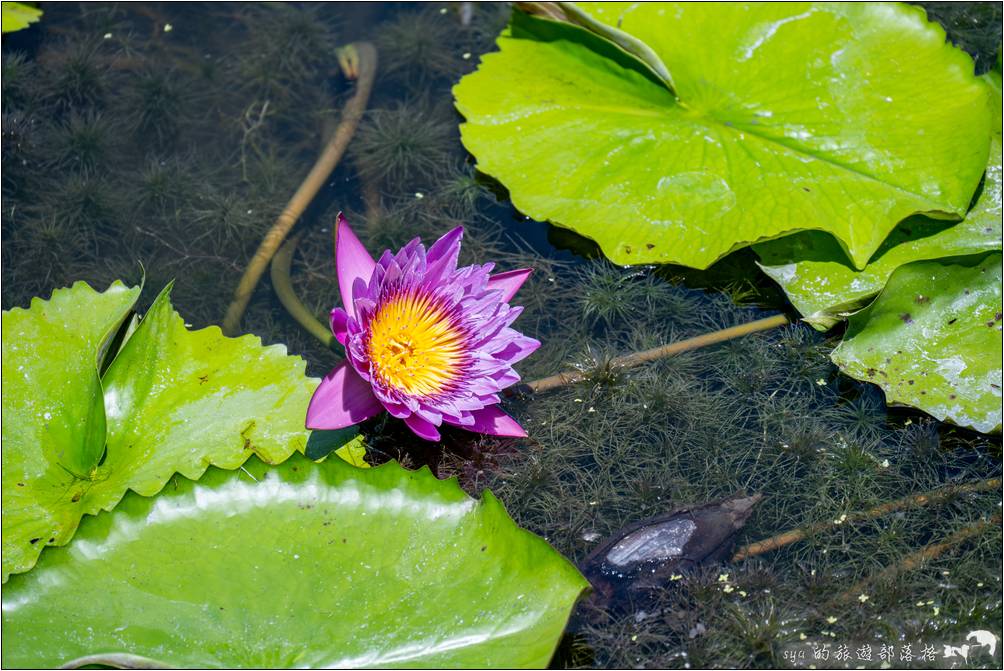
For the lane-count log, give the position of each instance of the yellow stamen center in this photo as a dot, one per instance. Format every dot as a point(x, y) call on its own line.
point(414, 345)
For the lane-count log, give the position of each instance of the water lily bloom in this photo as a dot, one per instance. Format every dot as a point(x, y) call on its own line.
point(425, 340)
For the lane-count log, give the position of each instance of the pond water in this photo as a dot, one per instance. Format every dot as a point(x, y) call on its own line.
point(163, 140)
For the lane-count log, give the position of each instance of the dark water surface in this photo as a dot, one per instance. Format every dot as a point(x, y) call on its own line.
point(166, 138)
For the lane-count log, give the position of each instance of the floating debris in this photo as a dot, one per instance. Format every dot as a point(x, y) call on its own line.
point(656, 551)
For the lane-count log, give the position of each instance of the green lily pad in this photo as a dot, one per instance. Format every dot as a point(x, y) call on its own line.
point(302, 565)
point(18, 16)
point(173, 401)
point(53, 415)
point(932, 340)
point(819, 280)
point(780, 117)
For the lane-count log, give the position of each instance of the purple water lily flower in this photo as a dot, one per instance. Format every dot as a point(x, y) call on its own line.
point(425, 340)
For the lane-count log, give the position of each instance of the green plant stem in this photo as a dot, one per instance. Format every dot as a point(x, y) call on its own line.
point(283, 286)
point(333, 151)
point(638, 358)
point(913, 501)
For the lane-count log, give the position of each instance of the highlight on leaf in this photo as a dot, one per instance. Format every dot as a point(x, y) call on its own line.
point(170, 401)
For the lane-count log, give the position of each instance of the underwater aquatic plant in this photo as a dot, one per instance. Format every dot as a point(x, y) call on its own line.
point(155, 101)
point(398, 144)
point(76, 76)
point(84, 141)
point(417, 47)
point(426, 340)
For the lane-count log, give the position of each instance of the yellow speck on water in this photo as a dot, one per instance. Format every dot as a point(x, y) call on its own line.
point(676, 576)
point(168, 27)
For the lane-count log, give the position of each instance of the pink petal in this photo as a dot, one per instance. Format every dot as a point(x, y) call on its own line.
point(493, 421)
point(509, 282)
point(518, 349)
point(441, 259)
point(352, 262)
point(422, 428)
point(342, 399)
point(447, 246)
point(339, 324)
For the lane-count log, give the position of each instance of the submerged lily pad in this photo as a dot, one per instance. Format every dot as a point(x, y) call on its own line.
point(302, 565)
point(932, 340)
point(772, 118)
point(819, 280)
point(173, 401)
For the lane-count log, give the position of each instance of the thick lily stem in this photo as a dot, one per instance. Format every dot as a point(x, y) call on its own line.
point(917, 559)
point(283, 286)
point(334, 150)
point(914, 501)
point(638, 358)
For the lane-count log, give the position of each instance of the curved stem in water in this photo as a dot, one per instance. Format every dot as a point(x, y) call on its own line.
point(333, 151)
point(283, 286)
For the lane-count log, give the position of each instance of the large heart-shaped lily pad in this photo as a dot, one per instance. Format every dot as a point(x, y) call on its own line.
point(301, 565)
point(821, 283)
point(771, 118)
point(173, 400)
point(932, 340)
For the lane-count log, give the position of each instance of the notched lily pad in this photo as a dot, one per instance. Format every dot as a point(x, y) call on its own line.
point(53, 414)
point(307, 564)
point(19, 15)
point(821, 283)
point(932, 340)
point(770, 118)
point(173, 401)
